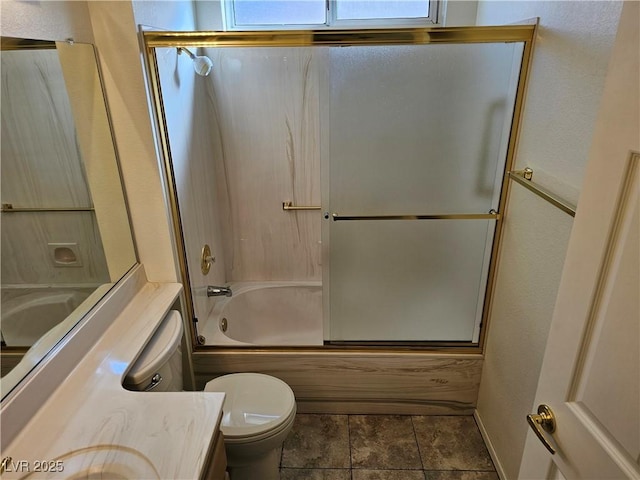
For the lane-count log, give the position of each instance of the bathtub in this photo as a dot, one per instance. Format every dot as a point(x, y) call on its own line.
point(29, 313)
point(266, 313)
point(23, 300)
point(342, 380)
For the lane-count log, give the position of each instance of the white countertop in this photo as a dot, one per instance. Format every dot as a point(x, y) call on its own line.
point(173, 431)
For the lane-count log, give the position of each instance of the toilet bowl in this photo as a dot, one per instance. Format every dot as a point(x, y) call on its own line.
point(258, 410)
point(257, 415)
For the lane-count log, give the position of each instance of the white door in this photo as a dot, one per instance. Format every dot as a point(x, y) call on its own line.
point(591, 371)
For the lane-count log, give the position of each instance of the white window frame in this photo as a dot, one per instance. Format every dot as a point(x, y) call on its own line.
point(332, 22)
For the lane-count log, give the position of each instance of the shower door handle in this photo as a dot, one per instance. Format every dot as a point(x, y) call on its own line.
point(492, 215)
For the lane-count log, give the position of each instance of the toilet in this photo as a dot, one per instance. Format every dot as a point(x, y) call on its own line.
point(257, 415)
point(258, 410)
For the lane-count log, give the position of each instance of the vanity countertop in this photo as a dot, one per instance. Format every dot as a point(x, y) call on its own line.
point(145, 434)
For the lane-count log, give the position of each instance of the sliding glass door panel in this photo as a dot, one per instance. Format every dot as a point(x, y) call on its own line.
point(399, 280)
point(419, 129)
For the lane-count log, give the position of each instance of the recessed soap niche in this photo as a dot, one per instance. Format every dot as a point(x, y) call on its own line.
point(65, 254)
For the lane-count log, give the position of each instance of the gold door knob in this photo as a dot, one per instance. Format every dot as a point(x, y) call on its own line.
point(544, 421)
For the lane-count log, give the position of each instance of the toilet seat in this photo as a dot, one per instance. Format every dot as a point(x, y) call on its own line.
point(256, 406)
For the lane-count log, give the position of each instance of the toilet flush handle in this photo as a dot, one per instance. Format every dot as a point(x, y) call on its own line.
point(155, 381)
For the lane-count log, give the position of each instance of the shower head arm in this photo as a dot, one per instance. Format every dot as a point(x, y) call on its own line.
point(189, 52)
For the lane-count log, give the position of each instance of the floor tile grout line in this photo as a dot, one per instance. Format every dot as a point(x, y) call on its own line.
point(415, 436)
point(397, 469)
point(349, 441)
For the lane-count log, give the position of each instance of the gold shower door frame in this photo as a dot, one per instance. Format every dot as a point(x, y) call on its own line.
point(524, 33)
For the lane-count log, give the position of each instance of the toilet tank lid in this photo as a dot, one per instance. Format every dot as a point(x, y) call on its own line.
point(157, 352)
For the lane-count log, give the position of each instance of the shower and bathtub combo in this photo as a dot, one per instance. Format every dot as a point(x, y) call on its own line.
point(350, 201)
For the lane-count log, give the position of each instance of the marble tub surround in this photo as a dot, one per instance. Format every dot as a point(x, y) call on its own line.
point(264, 110)
point(89, 406)
point(385, 447)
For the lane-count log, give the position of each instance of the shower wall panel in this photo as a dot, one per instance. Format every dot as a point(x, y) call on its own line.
point(43, 170)
point(264, 104)
point(193, 152)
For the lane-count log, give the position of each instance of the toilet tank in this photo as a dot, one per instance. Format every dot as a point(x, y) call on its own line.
point(159, 366)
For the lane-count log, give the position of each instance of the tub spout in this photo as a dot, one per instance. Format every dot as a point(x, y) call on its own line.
point(218, 291)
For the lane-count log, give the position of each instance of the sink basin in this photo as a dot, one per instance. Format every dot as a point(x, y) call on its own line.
point(99, 462)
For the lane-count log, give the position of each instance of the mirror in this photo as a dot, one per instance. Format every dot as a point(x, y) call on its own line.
point(65, 232)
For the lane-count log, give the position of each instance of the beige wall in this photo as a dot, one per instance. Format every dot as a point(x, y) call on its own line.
point(46, 20)
point(95, 143)
point(595, 266)
point(567, 77)
point(116, 39)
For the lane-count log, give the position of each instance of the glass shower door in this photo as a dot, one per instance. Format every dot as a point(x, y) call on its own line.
point(417, 145)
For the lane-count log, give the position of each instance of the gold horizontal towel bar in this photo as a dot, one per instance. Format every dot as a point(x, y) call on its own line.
point(291, 206)
point(493, 215)
point(9, 208)
point(523, 177)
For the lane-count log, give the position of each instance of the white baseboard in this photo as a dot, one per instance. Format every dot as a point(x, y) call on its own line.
point(492, 451)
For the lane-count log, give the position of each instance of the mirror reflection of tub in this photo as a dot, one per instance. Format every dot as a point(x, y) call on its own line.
point(43, 329)
point(28, 313)
point(266, 313)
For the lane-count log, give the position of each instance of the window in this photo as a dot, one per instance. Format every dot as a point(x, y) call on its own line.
point(315, 14)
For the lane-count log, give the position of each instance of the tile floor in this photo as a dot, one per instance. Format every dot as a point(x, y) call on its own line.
point(385, 447)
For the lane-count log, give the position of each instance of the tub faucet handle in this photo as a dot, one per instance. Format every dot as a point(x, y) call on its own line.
point(206, 259)
point(219, 291)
